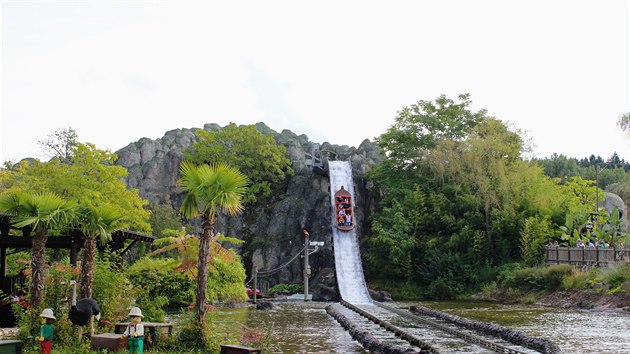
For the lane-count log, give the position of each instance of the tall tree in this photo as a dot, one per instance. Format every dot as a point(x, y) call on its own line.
point(60, 144)
point(42, 212)
point(417, 128)
point(253, 153)
point(209, 190)
point(97, 224)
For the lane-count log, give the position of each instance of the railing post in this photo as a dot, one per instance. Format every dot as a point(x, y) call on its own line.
point(557, 255)
point(597, 256)
point(255, 284)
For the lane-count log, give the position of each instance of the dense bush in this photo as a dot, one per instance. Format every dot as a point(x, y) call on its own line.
point(286, 289)
point(545, 278)
point(159, 278)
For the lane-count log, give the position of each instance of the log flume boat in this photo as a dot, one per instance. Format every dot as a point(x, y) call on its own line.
point(344, 211)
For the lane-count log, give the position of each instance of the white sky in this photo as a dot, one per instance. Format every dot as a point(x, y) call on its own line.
point(337, 71)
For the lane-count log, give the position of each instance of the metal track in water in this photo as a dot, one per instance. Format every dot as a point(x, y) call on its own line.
point(446, 337)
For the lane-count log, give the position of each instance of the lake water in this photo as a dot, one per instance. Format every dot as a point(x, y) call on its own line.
point(305, 327)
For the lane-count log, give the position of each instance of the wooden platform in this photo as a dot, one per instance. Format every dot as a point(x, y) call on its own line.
point(238, 349)
point(110, 341)
point(149, 328)
point(152, 331)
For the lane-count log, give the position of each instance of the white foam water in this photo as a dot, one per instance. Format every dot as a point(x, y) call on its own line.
point(348, 267)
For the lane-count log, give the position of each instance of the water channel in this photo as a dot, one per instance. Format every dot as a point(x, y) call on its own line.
point(305, 327)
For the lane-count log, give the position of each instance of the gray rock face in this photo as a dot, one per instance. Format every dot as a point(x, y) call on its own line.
point(272, 234)
point(612, 201)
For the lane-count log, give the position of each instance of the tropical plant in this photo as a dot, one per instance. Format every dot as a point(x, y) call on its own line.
point(42, 212)
point(97, 224)
point(209, 190)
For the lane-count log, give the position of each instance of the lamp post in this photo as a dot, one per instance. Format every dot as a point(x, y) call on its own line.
point(308, 251)
point(307, 268)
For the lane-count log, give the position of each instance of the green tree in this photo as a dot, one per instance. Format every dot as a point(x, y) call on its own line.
point(92, 176)
point(209, 190)
point(164, 217)
point(254, 154)
point(97, 224)
point(458, 200)
point(42, 212)
point(419, 127)
point(560, 166)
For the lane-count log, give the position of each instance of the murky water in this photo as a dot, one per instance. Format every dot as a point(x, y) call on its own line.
point(573, 331)
point(305, 327)
point(296, 327)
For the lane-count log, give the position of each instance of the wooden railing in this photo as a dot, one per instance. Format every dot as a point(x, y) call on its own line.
point(589, 256)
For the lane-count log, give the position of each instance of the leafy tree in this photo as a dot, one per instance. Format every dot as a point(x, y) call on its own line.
point(42, 212)
point(209, 190)
point(560, 166)
point(92, 176)
point(458, 200)
point(61, 144)
point(419, 127)
point(163, 217)
point(254, 154)
point(535, 235)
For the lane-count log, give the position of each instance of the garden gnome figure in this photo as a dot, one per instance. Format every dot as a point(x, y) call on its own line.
point(135, 331)
point(46, 331)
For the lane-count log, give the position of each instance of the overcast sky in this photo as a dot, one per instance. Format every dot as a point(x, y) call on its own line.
point(337, 71)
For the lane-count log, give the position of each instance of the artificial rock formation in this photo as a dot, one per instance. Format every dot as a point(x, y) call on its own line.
point(272, 234)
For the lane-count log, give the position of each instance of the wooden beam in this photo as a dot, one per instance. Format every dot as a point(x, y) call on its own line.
point(3, 262)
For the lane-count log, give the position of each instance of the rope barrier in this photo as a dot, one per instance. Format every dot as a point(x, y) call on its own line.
point(271, 271)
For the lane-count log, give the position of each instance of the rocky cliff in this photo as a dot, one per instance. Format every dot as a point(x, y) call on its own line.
point(272, 234)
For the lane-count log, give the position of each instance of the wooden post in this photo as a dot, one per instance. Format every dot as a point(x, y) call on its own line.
point(3, 262)
point(73, 253)
point(597, 256)
point(557, 256)
point(306, 270)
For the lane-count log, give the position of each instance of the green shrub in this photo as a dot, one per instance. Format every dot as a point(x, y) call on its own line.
point(553, 275)
point(160, 280)
point(616, 274)
point(439, 289)
point(286, 289)
point(507, 274)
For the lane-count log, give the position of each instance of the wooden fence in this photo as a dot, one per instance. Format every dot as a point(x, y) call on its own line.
point(588, 256)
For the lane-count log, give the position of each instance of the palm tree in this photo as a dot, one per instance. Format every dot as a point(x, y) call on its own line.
point(97, 224)
point(209, 189)
point(41, 212)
